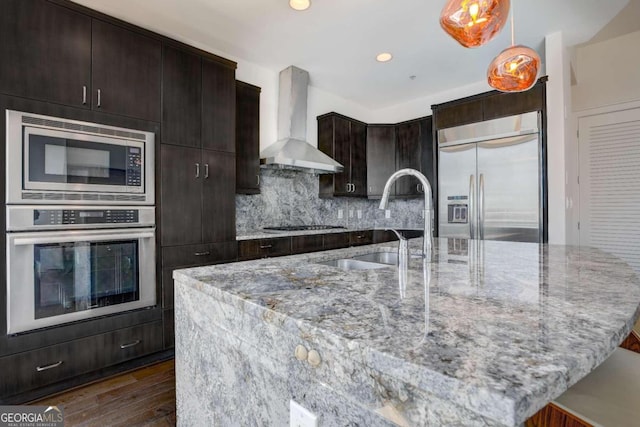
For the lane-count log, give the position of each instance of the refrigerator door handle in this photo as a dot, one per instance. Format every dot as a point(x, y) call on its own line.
point(471, 215)
point(481, 207)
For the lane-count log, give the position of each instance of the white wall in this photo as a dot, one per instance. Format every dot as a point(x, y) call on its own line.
point(421, 107)
point(558, 132)
point(607, 73)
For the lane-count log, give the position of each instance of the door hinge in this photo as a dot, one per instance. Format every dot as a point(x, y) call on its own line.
point(578, 179)
point(578, 133)
point(578, 225)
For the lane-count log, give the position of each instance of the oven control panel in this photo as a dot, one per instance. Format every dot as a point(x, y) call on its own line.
point(84, 216)
point(134, 167)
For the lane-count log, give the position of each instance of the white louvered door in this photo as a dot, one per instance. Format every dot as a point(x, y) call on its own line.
point(609, 161)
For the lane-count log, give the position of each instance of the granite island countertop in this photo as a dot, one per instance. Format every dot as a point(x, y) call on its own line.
point(486, 334)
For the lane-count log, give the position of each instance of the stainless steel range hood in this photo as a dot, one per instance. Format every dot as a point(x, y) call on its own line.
point(291, 151)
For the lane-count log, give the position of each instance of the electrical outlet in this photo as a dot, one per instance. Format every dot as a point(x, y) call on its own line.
point(387, 213)
point(300, 416)
point(340, 214)
point(359, 212)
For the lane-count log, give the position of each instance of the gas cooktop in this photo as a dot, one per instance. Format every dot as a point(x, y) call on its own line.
point(302, 227)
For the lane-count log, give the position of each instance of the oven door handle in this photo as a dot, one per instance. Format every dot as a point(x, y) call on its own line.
point(81, 238)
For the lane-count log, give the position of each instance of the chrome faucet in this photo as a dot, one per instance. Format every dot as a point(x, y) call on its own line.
point(427, 236)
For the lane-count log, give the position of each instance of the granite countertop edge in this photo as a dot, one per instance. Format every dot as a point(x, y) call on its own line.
point(515, 409)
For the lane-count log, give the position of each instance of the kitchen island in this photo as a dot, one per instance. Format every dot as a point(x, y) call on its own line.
point(484, 333)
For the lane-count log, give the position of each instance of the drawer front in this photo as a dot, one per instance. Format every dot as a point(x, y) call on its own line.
point(263, 248)
point(382, 236)
point(26, 371)
point(174, 257)
point(130, 343)
point(302, 244)
point(195, 255)
point(364, 237)
point(335, 241)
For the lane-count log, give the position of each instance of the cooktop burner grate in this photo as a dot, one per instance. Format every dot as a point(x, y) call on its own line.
point(302, 227)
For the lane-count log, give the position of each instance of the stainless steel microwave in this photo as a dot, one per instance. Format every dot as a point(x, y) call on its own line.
point(54, 160)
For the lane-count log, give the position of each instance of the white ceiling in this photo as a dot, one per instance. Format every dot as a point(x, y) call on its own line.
point(337, 40)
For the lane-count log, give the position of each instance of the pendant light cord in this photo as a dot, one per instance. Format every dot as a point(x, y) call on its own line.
point(513, 37)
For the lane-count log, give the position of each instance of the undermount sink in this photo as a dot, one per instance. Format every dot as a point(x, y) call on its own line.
point(353, 264)
point(389, 258)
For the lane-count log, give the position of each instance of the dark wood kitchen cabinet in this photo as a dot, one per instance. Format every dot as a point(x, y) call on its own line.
point(247, 138)
point(381, 158)
point(345, 140)
point(41, 367)
point(218, 106)
point(45, 51)
point(125, 72)
point(489, 105)
point(197, 196)
point(393, 147)
point(197, 170)
point(181, 97)
point(52, 53)
point(408, 155)
point(263, 248)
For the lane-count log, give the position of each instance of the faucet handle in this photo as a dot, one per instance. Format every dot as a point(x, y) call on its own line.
point(400, 236)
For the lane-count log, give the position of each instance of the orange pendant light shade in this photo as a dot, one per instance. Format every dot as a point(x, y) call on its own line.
point(515, 69)
point(474, 22)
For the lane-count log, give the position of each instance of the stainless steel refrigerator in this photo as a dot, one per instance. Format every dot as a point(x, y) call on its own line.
point(490, 180)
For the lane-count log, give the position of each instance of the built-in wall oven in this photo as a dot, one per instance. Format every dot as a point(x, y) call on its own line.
point(68, 263)
point(80, 230)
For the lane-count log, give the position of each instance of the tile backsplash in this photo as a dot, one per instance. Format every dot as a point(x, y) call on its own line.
point(291, 198)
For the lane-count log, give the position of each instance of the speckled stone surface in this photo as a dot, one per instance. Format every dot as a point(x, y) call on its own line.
point(291, 198)
point(486, 334)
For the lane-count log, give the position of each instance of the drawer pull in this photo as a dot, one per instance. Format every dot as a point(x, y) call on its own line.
point(265, 246)
point(131, 344)
point(202, 253)
point(47, 367)
point(360, 237)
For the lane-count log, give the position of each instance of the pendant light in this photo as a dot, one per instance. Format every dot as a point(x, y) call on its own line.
point(473, 23)
point(515, 69)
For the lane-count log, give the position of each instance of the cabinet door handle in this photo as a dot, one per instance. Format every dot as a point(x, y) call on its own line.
point(353, 186)
point(197, 170)
point(202, 253)
point(99, 98)
point(258, 176)
point(206, 170)
point(131, 344)
point(265, 246)
point(47, 367)
point(84, 95)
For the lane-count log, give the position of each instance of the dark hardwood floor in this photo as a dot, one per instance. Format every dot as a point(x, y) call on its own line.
point(144, 397)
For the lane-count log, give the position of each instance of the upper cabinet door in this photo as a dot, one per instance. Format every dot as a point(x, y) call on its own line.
point(181, 97)
point(358, 159)
point(126, 72)
point(247, 138)
point(409, 153)
point(381, 158)
point(342, 154)
point(181, 195)
point(218, 107)
point(45, 51)
point(218, 197)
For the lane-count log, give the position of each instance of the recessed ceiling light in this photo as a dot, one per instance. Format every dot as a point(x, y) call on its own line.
point(384, 57)
point(299, 4)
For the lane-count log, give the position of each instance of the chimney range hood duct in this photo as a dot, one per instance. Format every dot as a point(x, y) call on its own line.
point(291, 151)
